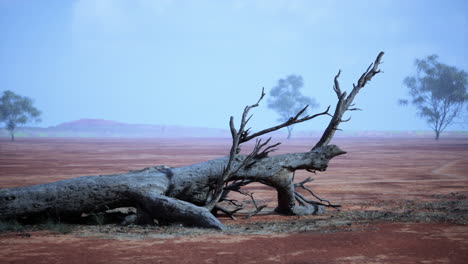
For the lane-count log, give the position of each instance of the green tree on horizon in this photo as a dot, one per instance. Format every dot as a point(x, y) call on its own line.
point(16, 110)
point(286, 99)
point(438, 91)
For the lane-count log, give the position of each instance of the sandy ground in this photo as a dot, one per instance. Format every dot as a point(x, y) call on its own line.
point(375, 171)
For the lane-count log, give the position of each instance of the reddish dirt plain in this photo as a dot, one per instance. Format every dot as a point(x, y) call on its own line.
point(375, 169)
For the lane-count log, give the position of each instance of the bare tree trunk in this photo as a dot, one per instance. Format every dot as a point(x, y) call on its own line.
point(12, 136)
point(188, 194)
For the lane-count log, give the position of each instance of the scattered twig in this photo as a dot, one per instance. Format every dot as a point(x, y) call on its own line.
point(301, 199)
point(229, 213)
point(260, 208)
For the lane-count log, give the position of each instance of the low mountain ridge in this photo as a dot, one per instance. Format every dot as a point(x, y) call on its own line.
point(85, 122)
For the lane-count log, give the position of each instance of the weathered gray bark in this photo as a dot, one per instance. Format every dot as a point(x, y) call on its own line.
point(187, 194)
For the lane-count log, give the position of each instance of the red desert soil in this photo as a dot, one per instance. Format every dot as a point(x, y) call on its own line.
point(375, 169)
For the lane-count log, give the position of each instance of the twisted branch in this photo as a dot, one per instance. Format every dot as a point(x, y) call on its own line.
point(345, 102)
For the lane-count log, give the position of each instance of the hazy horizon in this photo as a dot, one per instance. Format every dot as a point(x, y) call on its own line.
point(195, 63)
point(95, 123)
point(298, 128)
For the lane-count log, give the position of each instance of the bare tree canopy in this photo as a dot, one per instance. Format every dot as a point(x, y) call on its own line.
point(191, 194)
point(438, 91)
point(286, 99)
point(16, 110)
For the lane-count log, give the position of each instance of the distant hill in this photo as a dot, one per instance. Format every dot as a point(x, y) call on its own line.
point(86, 122)
point(108, 128)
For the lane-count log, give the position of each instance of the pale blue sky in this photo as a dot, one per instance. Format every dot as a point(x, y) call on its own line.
point(198, 62)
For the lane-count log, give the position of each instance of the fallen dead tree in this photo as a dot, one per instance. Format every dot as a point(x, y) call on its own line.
point(190, 194)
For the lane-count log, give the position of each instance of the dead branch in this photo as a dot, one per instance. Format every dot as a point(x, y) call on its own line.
point(289, 122)
point(242, 135)
point(236, 187)
point(345, 102)
point(260, 208)
point(235, 150)
point(228, 212)
point(257, 208)
point(300, 184)
point(302, 199)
